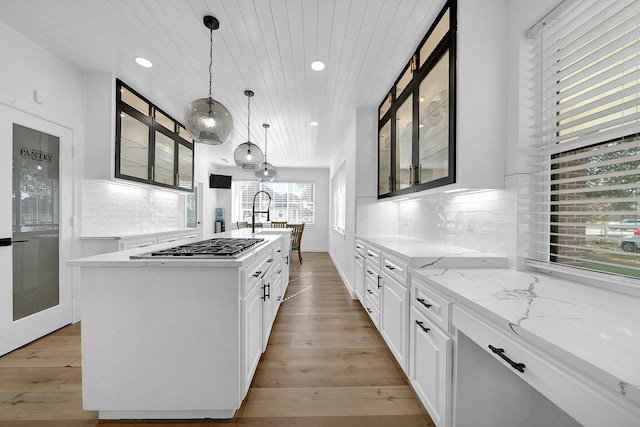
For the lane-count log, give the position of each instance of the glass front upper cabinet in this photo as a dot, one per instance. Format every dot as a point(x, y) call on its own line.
point(416, 119)
point(151, 147)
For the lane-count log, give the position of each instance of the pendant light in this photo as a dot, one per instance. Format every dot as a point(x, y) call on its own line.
point(266, 172)
point(248, 156)
point(207, 120)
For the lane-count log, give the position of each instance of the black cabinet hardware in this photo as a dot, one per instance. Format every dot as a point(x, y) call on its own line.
point(379, 285)
point(6, 241)
point(426, 304)
point(279, 250)
point(421, 324)
point(287, 263)
point(267, 291)
point(369, 254)
point(257, 273)
point(370, 272)
point(369, 310)
point(500, 352)
point(279, 271)
point(390, 267)
point(270, 260)
point(370, 291)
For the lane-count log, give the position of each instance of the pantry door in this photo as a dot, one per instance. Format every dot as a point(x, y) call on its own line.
point(35, 228)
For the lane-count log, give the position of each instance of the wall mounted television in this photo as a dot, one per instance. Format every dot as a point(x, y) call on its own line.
point(219, 181)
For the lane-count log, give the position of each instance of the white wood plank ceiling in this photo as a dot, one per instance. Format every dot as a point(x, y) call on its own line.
point(263, 45)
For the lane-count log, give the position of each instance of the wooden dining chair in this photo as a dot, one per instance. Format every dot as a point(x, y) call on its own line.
point(296, 230)
point(241, 224)
point(278, 224)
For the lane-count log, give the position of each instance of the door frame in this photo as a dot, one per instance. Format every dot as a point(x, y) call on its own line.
point(14, 334)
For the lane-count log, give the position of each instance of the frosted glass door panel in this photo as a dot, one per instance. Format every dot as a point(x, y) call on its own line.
point(164, 159)
point(36, 160)
point(434, 123)
point(384, 158)
point(404, 144)
point(185, 167)
point(134, 148)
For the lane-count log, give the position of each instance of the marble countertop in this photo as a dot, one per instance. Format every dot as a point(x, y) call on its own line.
point(122, 258)
point(590, 327)
point(421, 254)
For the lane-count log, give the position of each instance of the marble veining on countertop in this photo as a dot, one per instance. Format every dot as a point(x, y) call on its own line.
point(597, 326)
point(421, 253)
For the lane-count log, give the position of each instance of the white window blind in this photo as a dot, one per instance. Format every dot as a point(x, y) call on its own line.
point(338, 199)
point(586, 99)
point(293, 202)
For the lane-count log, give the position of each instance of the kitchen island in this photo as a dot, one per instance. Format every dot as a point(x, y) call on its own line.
point(177, 337)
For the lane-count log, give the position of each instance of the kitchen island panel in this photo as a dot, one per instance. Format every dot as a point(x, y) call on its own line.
point(156, 344)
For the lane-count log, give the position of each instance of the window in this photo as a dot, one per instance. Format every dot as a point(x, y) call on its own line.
point(293, 202)
point(586, 211)
point(338, 199)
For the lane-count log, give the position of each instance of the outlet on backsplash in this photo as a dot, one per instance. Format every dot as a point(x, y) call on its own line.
point(469, 220)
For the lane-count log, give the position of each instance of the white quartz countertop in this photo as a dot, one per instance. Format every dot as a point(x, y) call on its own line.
point(586, 325)
point(122, 258)
point(420, 253)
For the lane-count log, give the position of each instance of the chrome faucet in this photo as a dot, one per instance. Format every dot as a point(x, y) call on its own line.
point(254, 212)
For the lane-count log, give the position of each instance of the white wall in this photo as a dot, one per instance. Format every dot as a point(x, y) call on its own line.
point(315, 237)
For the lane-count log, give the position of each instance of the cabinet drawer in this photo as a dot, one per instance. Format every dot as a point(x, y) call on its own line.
point(251, 275)
point(591, 402)
point(359, 247)
point(278, 249)
point(372, 290)
point(394, 268)
point(373, 310)
point(372, 273)
point(431, 304)
point(372, 255)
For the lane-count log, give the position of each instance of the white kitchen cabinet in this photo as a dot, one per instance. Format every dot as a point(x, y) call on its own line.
point(358, 277)
point(252, 311)
point(395, 307)
point(431, 351)
point(430, 370)
point(372, 296)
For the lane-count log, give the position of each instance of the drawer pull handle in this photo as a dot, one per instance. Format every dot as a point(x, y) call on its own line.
point(369, 310)
point(370, 291)
point(419, 323)
point(369, 254)
point(270, 260)
point(379, 285)
point(500, 352)
point(390, 267)
point(421, 301)
point(370, 272)
point(257, 273)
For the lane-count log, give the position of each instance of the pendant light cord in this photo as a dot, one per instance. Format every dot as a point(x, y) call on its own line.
point(266, 126)
point(210, 59)
point(248, 118)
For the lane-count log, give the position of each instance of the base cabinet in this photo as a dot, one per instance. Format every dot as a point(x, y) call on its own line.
point(430, 367)
point(359, 277)
point(252, 309)
point(395, 306)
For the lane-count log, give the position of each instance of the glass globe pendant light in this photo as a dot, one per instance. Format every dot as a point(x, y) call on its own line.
point(207, 120)
point(248, 156)
point(266, 172)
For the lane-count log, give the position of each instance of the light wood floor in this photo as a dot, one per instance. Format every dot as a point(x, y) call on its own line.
point(325, 366)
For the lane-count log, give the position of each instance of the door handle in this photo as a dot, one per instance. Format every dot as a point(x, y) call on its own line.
point(6, 241)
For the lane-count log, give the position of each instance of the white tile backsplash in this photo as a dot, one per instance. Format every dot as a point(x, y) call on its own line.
point(111, 208)
point(485, 221)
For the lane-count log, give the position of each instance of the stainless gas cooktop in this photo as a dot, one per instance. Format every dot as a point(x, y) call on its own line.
point(212, 248)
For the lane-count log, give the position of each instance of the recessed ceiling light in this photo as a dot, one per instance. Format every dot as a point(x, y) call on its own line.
point(317, 65)
point(313, 123)
point(143, 62)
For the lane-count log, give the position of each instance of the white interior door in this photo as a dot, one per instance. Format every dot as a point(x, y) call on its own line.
point(35, 228)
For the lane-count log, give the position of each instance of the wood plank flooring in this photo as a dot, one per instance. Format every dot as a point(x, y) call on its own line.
point(325, 365)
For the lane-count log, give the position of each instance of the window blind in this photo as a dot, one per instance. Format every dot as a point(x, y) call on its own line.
point(338, 198)
point(586, 149)
point(293, 202)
